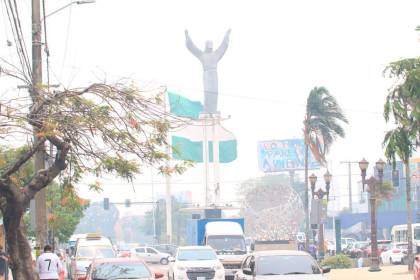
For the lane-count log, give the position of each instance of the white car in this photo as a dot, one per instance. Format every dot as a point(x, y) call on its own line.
point(196, 262)
point(150, 255)
point(394, 254)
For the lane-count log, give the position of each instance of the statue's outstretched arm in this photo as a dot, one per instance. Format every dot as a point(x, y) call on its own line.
point(223, 46)
point(191, 47)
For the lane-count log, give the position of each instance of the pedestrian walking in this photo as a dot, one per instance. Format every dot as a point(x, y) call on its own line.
point(3, 263)
point(312, 250)
point(301, 246)
point(417, 268)
point(360, 262)
point(48, 265)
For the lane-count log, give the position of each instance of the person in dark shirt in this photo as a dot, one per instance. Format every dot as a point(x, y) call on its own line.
point(3, 263)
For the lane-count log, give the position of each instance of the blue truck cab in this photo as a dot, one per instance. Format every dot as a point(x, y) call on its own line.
point(225, 236)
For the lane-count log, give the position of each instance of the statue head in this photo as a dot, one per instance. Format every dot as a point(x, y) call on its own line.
point(209, 46)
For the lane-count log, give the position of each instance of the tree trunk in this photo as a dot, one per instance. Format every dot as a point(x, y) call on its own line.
point(306, 197)
point(409, 216)
point(17, 245)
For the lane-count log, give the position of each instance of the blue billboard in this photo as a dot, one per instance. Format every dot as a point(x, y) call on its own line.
point(283, 155)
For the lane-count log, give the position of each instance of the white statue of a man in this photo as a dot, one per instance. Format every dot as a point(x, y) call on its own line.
point(209, 60)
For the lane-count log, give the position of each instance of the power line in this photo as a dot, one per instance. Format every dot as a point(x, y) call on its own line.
point(47, 50)
point(14, 21)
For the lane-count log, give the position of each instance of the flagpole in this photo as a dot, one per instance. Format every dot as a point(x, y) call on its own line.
point(168, 185)
point(216, 158)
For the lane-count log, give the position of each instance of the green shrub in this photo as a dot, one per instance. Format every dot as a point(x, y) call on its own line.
point(338, 261)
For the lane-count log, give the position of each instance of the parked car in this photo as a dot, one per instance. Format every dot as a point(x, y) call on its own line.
point(346, 241)
point(395, 254)
point(357, 249)
point(383, 245)
point(150, 255)
point(280, 264)
point(196, 262)
point(124, 250)
point(166, 248)
point(120, 268)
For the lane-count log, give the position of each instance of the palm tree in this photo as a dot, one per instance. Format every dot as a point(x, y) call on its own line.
point(399, 142)
point(402, 106)
point(322, 125)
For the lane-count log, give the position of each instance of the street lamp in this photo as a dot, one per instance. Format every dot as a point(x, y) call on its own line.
point(373, 184)
point(81, 2)
point(327, 179)
point(312, 180)
point(380, 165)
point(363, 164)
point(319, 194)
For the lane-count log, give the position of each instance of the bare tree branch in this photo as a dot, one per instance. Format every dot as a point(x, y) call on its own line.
point(23, 159)
point(46, 176)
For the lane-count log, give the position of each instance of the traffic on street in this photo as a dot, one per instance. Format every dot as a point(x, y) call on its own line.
point(209, 140)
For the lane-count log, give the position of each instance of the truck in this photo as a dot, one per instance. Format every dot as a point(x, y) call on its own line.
point(225, 236)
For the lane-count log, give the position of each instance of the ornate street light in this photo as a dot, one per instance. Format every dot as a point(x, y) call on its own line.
point(380, 165)
point(363, 164)
point(373, 184)
point(319, 194)
point(312, 180)
point(327, 178)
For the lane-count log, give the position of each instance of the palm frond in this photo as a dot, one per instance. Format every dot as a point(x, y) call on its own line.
point(322, 122)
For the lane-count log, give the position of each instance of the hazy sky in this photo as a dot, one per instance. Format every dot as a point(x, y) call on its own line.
point(279, 50)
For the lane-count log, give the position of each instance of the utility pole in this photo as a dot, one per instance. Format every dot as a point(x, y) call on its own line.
point(40, 198)
point(168, 197)
point(349, 163)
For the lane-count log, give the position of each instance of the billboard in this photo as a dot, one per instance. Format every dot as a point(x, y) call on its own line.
point(283, 155)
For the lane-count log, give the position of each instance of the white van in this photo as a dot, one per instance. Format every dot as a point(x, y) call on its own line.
point(399, 234)
point(87, 249)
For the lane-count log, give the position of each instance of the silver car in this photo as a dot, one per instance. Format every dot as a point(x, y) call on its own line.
point(280, 265)
point(150, 255)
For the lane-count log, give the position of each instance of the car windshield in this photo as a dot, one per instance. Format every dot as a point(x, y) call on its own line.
point(193, 255)
point(94, 252)
point(120, 271)
point(227, 243)
point(283, 265)
point(402, 246)
point(361, 245)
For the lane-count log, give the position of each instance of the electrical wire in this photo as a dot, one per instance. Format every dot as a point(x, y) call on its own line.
point(22, 37)
point(14, 22)
point(47, 50)
point(7, 33)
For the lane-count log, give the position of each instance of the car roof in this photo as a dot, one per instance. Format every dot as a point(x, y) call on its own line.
point(119, 260)
point(280, 253)
point(195, 248)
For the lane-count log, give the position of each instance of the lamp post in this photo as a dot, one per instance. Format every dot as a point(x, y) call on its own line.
point(320, 194)
point(373, 184)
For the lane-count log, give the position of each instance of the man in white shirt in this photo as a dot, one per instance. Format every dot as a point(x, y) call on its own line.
point(48, 265)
